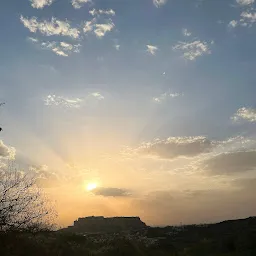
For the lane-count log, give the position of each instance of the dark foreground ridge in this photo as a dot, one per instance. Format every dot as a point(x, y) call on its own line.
point(129, 236)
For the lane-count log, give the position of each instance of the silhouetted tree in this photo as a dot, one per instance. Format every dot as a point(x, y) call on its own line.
point(22, 204)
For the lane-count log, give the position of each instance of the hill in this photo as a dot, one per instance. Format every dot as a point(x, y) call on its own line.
point(228, 238)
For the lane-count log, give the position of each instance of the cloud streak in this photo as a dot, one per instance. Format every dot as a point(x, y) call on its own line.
point(111, 192)
point(99, 12)
point(69, 102)
point(53, 100)
point(174, 147)
point(231, 163)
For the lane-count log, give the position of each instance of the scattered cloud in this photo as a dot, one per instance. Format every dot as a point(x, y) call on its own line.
point(53, 100)
point(231, 162)
point(245, 2)
point(101, 29)
point(117, 46)
point(193, 50)
point(89, 25)
point(7, 152)
point(247, 19)
point(59, 48)
point(97, 95)
point(40, 4)
point(68, 102)
point(185, 32)
point(111, 192)
point(247, 114)
point(152, 49)
point(174, 147)
point(99, 12)
point(163, 97)
point(77, 4)
point(50, 28)
point(159, 3)
point(233, 23)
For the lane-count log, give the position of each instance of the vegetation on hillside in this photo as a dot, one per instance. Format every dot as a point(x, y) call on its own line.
point(235, 238)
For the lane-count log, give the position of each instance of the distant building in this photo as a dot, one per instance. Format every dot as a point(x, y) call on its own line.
point(98, 224)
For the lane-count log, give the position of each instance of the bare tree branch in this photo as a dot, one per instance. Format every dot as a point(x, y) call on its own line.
point(22, 204)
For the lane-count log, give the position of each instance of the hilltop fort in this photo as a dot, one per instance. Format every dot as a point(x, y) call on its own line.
point(97, 224)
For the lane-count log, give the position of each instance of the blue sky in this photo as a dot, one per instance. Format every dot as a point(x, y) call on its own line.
point(90, 85)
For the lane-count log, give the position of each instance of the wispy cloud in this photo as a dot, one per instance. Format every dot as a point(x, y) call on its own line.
point(33, 40)
point(152, 49)
point(77, 4)
point(245, 2)
point(163, 97)
point(185, 32)
point(247, 114)
point(40, 4)
point(109, 12)
point(159, 3)
point(59, 48)
point(193, 50)
point(50, 28)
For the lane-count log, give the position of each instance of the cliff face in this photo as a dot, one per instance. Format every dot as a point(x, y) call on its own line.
point(101, 224)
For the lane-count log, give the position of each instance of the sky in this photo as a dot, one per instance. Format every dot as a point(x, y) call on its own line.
point(133, 107)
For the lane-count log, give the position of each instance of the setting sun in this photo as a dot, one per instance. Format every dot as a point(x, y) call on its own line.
point(91, 186)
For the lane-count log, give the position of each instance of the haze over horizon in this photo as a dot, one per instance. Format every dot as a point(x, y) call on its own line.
point(133, 107)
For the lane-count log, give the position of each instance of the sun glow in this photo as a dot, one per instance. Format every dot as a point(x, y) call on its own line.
point(91, 186)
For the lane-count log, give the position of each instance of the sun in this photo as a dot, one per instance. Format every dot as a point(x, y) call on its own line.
point(91, 186)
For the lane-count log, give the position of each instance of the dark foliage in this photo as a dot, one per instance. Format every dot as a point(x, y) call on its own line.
point(232, 238)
